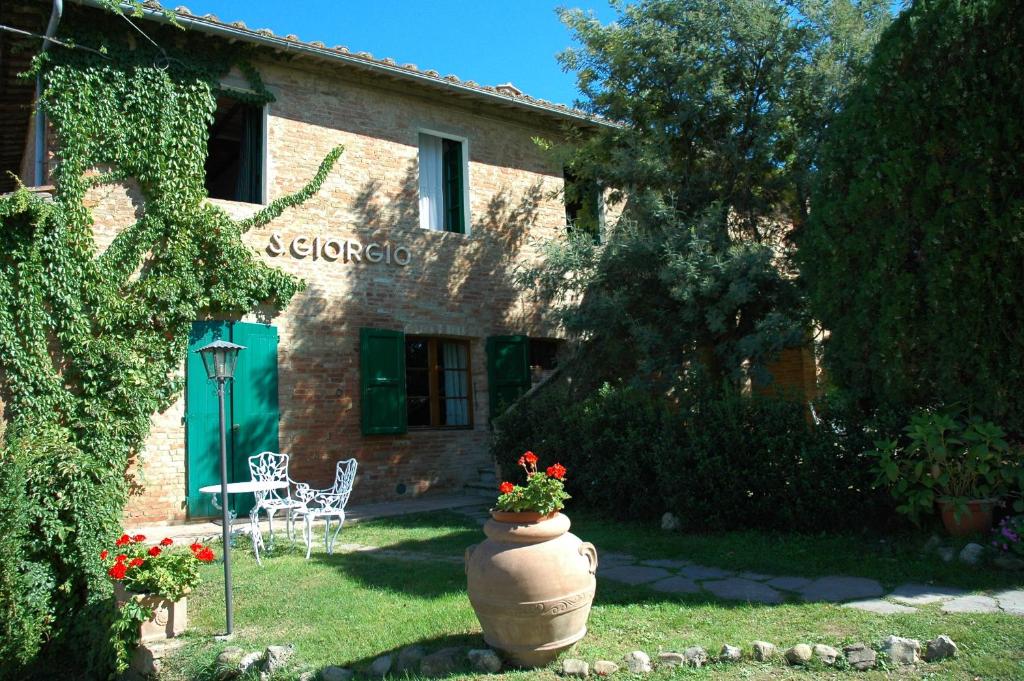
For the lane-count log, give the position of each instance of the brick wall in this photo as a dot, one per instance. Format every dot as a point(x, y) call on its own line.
point(455, 285)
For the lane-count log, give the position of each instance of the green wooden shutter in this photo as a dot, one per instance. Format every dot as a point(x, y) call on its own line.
point(382, 373)
point(202, 419)
point(508, 370)
point(452, 186)
point(255, 413)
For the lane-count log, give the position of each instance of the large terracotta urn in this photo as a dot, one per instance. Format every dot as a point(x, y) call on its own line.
point(531, 584)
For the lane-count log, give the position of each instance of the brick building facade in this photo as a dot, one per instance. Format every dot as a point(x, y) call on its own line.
point(371, 260)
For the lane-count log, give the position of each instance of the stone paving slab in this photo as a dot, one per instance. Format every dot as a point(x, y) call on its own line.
point(666, 563)
point(835, 589)
point(705, 572)
point(923, 594)
point(737, 589)
point(756, 576)
point(676, 585)
point(971, 604)
point(788, 583)
point(880, 607)
point(1011, 601)
point(614, 557)
point(634, 574)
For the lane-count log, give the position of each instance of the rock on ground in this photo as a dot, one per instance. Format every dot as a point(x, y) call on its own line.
point(276, 657)
point(859, 656)
point(799, 654)
point(730, 653)
point(575, 668)
point(763, 651)
point(902, 650)
point(333, 673)
point(485, 660)
point(409, 659)
point(670, 659)
point(670, 522)
point(381, 666)
point(939, 648)
point(638, 662)
point(442, 663)
point(227, 662)
point(827, 654)
point(695, 656)
point(946, 554)
point(605, 668)
point(249, 661)
point(972, 554)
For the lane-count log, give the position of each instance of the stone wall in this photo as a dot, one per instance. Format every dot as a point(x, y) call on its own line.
point(454, 285)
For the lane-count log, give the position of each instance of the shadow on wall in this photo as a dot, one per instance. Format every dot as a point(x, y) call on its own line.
point(455, 284)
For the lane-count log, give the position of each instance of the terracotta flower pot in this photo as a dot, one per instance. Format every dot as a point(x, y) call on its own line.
point(531, 584)
point(977, 519)
point(169, 617)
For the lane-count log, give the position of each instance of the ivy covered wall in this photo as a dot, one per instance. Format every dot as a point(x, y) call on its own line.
point(91, 344)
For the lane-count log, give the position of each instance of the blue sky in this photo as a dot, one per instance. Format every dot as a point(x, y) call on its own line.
point(489, 41)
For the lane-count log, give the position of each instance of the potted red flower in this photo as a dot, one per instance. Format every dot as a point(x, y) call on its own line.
point(151, 587)
point(531, 583)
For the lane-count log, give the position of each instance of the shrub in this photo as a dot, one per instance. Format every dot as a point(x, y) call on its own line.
point(913, 256)
point(719, 461)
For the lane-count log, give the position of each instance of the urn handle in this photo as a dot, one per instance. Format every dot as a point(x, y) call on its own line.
point(590, 553)
point(468, 555)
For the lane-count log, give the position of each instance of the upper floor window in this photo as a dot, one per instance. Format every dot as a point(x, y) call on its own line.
point(583, 204)
point(442, 184)
point(235, 152)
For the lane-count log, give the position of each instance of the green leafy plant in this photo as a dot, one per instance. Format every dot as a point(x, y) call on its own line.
point(92, 340)
point(544, 492)
point(947, 458)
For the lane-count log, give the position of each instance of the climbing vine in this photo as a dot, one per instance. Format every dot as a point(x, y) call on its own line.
point(91, 343)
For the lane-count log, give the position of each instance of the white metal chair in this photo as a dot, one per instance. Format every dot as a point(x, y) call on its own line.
point(327, 504)
point(271, 466)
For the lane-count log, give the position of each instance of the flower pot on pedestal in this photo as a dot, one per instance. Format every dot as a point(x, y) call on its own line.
point(168, 620)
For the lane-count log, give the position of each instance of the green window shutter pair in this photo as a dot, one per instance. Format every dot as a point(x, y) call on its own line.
point(508, 371)
point(382, 377)
point(452, 186)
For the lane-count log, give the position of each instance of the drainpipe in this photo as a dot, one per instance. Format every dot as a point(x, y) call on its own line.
point(51, 30)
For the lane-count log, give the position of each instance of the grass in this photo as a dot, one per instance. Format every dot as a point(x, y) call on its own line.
point(348, 609)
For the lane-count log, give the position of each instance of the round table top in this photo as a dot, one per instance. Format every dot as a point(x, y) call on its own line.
point(246, 487)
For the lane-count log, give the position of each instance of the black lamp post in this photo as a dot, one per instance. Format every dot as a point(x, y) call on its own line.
point(220, 358)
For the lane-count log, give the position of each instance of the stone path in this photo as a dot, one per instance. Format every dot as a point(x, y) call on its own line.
point(685, 577)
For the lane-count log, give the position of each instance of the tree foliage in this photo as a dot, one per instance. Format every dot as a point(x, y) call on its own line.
point(91, 343)
point(721, 107)
point(914, 255)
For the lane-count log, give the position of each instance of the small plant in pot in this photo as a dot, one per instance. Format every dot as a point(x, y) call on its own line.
point(542, 496)
point(151, 585)
point(964, 466)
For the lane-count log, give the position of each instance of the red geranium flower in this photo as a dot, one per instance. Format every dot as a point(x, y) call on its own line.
point(139, 537)
point(195, 547)
point(121, 558)
point(166, 541)
point(506, 487)
point(103, 554)
point(136, 562)
point(556, 471)
point(530, 457)
point(118, 571)
point(122, 540)
point(206, 555)
point(154, 551)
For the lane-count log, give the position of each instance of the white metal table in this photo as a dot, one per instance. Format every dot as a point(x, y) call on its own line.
point(254, 514)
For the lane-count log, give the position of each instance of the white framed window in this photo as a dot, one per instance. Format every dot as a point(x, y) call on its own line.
point(444, 190)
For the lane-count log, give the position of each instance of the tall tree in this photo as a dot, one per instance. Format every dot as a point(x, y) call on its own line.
point(722, 105)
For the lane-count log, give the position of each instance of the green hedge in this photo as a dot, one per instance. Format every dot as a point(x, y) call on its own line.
point(723, 461)
point(914, 255)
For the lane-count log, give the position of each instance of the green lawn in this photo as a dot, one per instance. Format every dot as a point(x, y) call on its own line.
point(347, 609)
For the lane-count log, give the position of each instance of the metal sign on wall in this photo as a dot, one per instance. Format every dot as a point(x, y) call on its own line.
point(333, 249)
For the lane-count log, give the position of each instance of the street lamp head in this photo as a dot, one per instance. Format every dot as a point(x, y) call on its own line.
point(219, 358)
